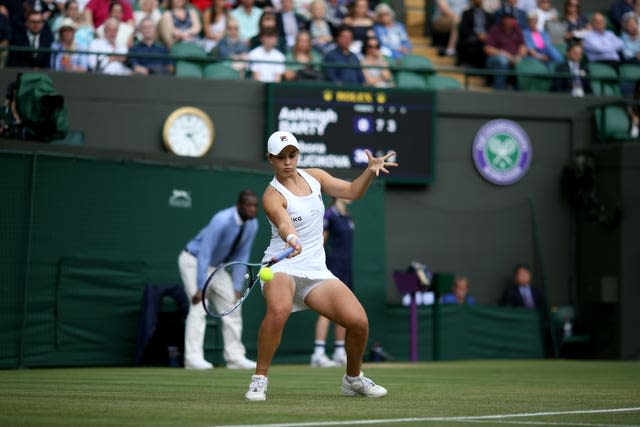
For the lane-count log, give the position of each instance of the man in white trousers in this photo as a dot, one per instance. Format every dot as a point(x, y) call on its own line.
point(228, 237)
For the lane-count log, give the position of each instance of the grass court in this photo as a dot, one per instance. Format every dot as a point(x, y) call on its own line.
point(497, 392)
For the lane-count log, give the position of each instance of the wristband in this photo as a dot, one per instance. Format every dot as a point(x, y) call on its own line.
point(291, 236)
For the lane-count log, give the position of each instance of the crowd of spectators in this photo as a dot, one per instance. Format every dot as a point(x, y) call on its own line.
point(269, 40)
point(554, 32)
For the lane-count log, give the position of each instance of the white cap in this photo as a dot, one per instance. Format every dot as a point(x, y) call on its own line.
point(279, 140)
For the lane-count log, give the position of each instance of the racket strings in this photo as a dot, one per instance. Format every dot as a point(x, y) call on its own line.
point(220, 294)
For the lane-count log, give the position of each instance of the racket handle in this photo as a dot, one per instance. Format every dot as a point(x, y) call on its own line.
point(280, 256)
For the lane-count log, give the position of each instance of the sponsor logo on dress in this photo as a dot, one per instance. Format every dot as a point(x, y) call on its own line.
point(502, 152)
point(180, 199)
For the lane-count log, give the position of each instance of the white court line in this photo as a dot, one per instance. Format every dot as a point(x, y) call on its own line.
point(550, 423)
point(478, 418)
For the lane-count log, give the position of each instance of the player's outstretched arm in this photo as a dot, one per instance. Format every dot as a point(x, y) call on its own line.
point(354, 190)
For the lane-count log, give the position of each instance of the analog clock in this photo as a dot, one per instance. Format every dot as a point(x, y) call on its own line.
point(188, 131)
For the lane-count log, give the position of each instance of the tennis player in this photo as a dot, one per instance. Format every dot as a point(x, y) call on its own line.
point(293, 204)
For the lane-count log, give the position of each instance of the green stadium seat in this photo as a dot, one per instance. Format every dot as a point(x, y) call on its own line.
point(187, 67)
point(604, 79)
point(220, 71)
point(437, 82)
point(409, 79)
point(416, 63)
point(528, 83)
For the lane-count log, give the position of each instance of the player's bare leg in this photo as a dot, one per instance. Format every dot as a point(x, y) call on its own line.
point(335, 301)
point(278, 295)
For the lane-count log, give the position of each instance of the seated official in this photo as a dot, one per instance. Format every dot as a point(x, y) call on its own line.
point(459, 293)
point(521, 293)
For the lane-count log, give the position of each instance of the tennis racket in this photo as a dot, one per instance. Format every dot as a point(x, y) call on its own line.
point(219, 298)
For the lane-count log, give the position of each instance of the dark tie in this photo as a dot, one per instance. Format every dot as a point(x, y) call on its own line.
point(235, 243)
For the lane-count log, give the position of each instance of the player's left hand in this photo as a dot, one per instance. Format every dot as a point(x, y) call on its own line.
point(377, 164)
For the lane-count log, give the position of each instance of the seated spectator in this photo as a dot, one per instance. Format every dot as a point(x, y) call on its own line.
point(36, 35)
point(126, 32)
point(630, 39)
point(336, 12)
point(521, 293)
point(97, 11)
point(510, 8)
point(215, 24)
point(342, 55)
point(360, 23)
point(147, 9)
point(308, 60)
point(372, 57)
point(289, 23)
point(65, 61)
point(546, 13)
point(109, 57)
point(539, 44)
point(576, 24)
point(179, 23)
point(149, 46)
point(446, 18)
point(391, 33)
point(617, 11)
point(268, 22)
point(600, 44)
point(319, 27)
point(474, 26)
point(231, 47)
point(273, 69)
point(83, 28)
point(247, 15)
point(504, 48)
point(578, 84)
point(459, 293)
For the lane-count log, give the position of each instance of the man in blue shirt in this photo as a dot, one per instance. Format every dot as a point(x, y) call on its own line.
point(459, 293)
point(228, 237)
point(342, 55)
point(149, 45)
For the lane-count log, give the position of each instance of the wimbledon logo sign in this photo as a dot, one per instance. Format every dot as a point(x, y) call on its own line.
point(502, 152)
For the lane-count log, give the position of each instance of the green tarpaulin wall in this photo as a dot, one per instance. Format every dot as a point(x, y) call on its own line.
point(80, 239)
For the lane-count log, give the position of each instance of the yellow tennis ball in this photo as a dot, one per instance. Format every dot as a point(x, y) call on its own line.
point(265, 274)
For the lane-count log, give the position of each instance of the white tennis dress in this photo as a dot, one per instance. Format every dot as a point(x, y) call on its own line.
point(307, 214)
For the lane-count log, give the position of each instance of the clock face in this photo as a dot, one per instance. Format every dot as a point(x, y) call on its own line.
point(188, 132)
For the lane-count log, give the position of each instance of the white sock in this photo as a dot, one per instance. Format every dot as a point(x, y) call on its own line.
point(338, 348)
point(352, 379)
point(319, 347)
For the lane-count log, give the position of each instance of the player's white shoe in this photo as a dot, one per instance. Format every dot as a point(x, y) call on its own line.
point(257, 388)
point(322, 361)
point(363, 386)
point(340, 358)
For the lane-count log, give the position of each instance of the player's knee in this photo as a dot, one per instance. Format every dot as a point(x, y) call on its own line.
point(359, 325)
point(278, 315)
